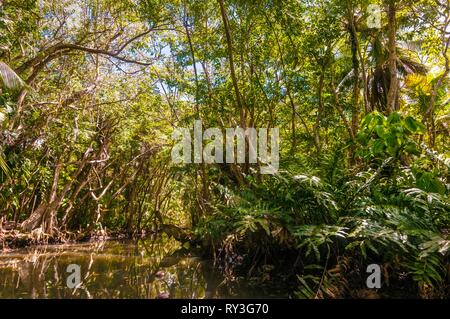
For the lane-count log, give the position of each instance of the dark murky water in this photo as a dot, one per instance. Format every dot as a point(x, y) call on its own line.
point(111, 269)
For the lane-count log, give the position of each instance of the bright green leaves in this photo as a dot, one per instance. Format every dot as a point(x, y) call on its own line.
point(411, 148)
point(312, 237)
point(383, 136)
point(378, 147)
point(413, 126)
point(252, 224)
point(428, 182)
point(3, 165)
point(427, 176)
point(394, 118)
point(427, 270)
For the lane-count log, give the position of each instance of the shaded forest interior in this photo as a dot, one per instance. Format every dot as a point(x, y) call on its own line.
point(91, 91)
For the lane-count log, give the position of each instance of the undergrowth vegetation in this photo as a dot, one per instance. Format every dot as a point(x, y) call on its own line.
point(91, 92)
point(339, 222)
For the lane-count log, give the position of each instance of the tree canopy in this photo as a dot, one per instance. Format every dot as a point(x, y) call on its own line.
point(91, 91)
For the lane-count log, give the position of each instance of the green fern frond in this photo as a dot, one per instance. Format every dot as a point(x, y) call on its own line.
point(3, 165)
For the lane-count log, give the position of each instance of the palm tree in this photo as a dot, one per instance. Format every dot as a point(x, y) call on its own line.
point(378, 77)
point(379, 73)
point(9, 81)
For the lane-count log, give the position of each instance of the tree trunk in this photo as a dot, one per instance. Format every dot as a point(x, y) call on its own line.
point(392, 99)
point(354, 48)
point(319, 110)
point(231, 61)
point(45, 215)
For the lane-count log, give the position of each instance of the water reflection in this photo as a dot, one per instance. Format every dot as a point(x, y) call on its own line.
point(111, 269)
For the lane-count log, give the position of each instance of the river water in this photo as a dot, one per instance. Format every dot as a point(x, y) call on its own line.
point(113, 269)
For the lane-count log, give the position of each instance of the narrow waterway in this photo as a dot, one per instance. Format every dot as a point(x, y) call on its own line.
point(113, 269)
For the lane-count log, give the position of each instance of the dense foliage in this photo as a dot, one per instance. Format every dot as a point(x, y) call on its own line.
point(90, 92)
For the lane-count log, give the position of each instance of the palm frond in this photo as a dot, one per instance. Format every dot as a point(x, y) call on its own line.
point(3, 165)
point(409, 64)
point(9, 79)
